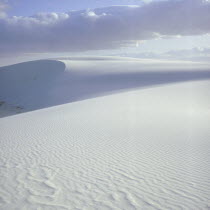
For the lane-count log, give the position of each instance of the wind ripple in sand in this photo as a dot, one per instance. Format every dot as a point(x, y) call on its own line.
point(144, 149)
point(70, 160)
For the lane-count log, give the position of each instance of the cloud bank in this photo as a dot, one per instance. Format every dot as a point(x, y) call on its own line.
point(103, 28)
point(3, 8)
point(194, 54)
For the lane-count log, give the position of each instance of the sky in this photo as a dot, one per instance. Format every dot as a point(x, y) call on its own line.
point(151, 27)
point(31, 7)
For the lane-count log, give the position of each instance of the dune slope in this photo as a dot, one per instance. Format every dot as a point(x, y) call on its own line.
point(28, 85)
point(146, 148)
point(39, 84)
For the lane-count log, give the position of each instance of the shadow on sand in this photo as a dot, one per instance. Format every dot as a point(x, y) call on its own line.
point(41, 84)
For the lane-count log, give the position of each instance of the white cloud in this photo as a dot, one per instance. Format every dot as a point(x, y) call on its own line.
point(3, 8)
point(103, 28)
point(194, 54)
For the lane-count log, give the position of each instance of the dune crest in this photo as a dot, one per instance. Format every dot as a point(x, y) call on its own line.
point(28, 84)
point(143, 144)
point(142, 149)
point(44, 83)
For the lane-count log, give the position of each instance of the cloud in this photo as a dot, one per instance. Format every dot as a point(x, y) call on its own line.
point(103, 28)
point(3, 8)
point(194, 54)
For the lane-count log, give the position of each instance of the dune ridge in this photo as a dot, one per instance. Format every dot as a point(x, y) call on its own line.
point(143, 144)
point(45, 83)
point(125, 151)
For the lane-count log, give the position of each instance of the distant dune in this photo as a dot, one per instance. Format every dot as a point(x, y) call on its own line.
point(44, 83)
point(104, 133)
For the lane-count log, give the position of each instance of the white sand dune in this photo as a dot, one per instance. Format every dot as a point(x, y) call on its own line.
point(29, 84)
point(125, 135)
point(44, 83)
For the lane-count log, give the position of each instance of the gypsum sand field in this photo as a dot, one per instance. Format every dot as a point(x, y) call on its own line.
point(105, 133)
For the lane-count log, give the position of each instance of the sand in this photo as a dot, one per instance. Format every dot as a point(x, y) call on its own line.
point(105, 134)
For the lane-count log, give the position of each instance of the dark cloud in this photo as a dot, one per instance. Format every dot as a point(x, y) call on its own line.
point(103, 28)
